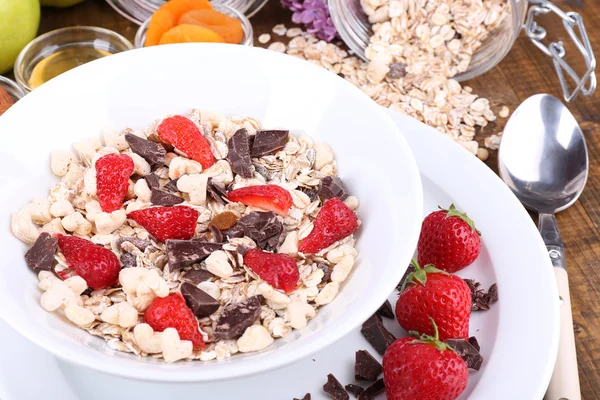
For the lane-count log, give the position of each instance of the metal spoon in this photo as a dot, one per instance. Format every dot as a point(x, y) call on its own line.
point(543, 159)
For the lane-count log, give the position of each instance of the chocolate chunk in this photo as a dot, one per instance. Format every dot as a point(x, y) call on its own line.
point(311, 192)
point(216, 191)
point(480, 299)
point(354, 389)
point(493, 293)
point(156, 139)
point(376, 334)
point(150, 151)
point(386, 310)
point(171, 186)
point(366, 367)
point(326, 271)
point(474, 343)
point(181, 253)
point(239, 153)
point(129, 260)
point(373, 390)
point(332, 186)
point(397, 70)
point(152, 181)
point(306, 397)
point(467, 352)
point(141, 244)
point(334, 389)
point(40, 257)
point(235, 318)
point(217, 235)
point(200, 302)
point(197, 275)
point(261, 226)
point(411, 268)
point(162, 198)
point(267, 142)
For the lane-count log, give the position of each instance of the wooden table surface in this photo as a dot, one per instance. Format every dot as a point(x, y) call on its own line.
point(524, 72)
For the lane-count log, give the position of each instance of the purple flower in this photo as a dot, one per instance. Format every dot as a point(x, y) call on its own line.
point(314, 14)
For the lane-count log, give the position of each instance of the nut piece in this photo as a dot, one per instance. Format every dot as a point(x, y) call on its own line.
point(180, 166)
point(59, 293)
point(334, 256)
point(122, 314)
point(140, 166)
point(112, 138)
point(89, 181)
point(87, 149)
point(78, 315)
point(109, 222)
point(276, 299)
point(218, 264)
point(255, 338)
point(92, 209)
point(195, 186)
point(298, 313)
point(53, 227)
point(60, 161)
point(173, 348)
point(22, 226)
point(142, 286)
point(342, 269)
point(39, 209)
point(147, 340)
point(220, 172)
point(142, 191)
point(61, 208)
point(327, 294)
point(73, 176)
point(210, 288)
point(76, 223)
point(278, 328)
point(290, 244)
point(352, 202)
point(324, 155)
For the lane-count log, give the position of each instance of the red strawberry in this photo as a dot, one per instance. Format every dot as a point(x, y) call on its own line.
point(98, 266)
point(112, 180)
point(278, 270)
point(448, 240)
point(334, 222)
point(184, 135)
point(423, 369)
point(268, 197)
point(431, 294)
point(167, 222)
point(172, 312)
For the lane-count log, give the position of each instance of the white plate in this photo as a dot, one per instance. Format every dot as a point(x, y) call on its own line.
point(519, 335)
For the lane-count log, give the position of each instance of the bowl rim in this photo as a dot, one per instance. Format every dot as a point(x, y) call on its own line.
point(184, 371)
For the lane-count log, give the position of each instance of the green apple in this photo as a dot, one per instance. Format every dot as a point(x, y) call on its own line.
point(19, 21)
point(59, 3)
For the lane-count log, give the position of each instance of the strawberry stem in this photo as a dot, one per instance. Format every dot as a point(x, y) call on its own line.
point(420, 274)
point(431, 340)
point(453, 212)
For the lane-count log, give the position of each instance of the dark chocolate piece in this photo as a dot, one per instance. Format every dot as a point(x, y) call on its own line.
point(40, 256)
point(152, 180)
point(216, 191)
point(150, 151)
point(239, 153)
point(332, 186)
point(200, 302)
point(217, 234)
point(467, 352)
point(474, 343)
point(355, 390)
point(376, 334)
point(306, 397)
point(373, 390)
point(129, 260)
point(162, 198)
point(386, 310)
point(311, 192)
point(326, 272)
point(493, 293)
point(141, 244)
point(366, 367)
point(156, 139)
point(235, 318)
point(171, 186)
point(334, 389)
point(261, 226)
point(397, 70)
point(411, 268)
point(181, 253)
point(481, 300)
point(264, 172)
point(197, 275)
point(267, 142)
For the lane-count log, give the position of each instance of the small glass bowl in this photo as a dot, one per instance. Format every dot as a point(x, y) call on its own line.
point(247, 40)
point(13, 89)
point(66, 38)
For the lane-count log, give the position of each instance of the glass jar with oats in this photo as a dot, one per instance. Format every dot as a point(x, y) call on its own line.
point(459, 39)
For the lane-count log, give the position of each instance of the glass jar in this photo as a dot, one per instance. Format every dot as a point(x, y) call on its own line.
point(138, 11)
point(354, 29)
point(13, 89)
point(247, 40)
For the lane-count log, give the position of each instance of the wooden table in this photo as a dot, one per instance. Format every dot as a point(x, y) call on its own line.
point(524, 72)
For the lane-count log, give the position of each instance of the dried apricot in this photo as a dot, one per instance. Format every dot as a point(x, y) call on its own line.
point(180, 7)
point(162, 20)
point(186, 33)
point(224, 220)
point(229, 28)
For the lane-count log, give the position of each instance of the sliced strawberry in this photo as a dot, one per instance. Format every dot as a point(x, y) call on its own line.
point(278, 270)
point(267, 197)
point(185, 136)
point(112, 180)
point(334, 222)
point(98, 266)
point(167, 222)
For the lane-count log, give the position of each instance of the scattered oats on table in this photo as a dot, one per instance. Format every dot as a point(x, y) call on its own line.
point(277, 46)
point(279, 29)
point(504, 112)
point(264, 38)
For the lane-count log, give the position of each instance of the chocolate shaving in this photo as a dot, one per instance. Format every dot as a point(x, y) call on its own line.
point(141, 244)
point(197, 275)
point(306, 397)
point(481, 300)
point(366, 367)
point(171, 186)
point(216, 191)
point(332, 186)
point(397, 70)
point(40, 257)
point(376, 334)
point(181, 253)
point(150, 151)
point(311, 192)
point(153, 137)
point(129, 260)
point(355, 390)
point(162, 198)
point(373, 390)
point(201, 303)
point(474, 343)
point(386, 310)
point(267, 142)
point(467, 352)
point(326, 271)
point(239, 153)
point(261, 226)
point(334, 389)
point(152, 180)
point(235, 318)
point(411, 268)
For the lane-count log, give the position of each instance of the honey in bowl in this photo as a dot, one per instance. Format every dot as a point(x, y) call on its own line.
point(62, 61)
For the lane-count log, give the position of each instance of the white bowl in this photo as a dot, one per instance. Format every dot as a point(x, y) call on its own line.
point(133, 88)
